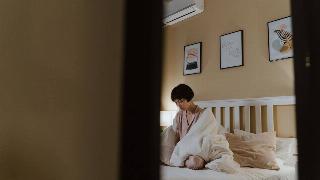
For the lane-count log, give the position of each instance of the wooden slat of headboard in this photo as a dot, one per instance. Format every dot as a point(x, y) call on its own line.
point(270, 102)
point(270, 117)
point(236, 117)
point(227, 118)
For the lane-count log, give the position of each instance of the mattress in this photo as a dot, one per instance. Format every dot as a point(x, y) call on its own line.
point(176, 173)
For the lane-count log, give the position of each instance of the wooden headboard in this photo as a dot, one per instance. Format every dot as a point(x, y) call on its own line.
point(232, 108)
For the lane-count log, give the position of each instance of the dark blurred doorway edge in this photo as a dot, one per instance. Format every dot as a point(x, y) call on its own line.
point(139, 156)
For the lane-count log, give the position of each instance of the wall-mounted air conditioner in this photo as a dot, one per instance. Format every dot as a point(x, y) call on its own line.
point(178, 10)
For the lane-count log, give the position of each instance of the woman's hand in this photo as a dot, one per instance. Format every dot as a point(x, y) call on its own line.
point(194, 162)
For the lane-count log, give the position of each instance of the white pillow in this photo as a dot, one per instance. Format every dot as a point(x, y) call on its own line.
point(286, 149)
point(168, 141)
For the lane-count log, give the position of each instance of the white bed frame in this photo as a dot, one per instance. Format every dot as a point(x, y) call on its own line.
point(257, 103)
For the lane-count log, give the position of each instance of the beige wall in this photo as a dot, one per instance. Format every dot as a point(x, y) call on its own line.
point(257, 78)
point(59, 114)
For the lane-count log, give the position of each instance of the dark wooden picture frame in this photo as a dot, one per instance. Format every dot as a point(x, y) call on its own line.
point(193, 67)
point(283, 36)
point(234, 51)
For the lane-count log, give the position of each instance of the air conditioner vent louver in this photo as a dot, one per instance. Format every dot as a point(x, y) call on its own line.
point(178, 10)
point(179, 17)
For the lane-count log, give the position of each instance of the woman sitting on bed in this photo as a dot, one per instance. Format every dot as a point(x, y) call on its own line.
point(186, 117)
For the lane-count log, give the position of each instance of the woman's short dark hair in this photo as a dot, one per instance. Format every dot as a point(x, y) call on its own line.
point(182, 91)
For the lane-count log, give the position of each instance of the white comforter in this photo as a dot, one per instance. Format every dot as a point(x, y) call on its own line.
point(203, 139)
point(175, 173)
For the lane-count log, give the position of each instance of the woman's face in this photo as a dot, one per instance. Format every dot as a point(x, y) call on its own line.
point(183, 104)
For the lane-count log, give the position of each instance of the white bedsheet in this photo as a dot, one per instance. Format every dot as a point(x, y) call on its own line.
point(176, 173)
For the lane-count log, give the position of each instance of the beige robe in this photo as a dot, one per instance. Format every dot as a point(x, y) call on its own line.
point(184, 121)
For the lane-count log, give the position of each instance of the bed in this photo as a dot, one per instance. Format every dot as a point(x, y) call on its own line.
point(176, 173)
point(235, 114)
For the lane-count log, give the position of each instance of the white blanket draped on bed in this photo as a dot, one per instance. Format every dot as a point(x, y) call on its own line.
point(205, 140)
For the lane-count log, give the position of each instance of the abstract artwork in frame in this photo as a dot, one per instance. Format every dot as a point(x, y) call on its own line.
point(231, 50)
point(280, 39)
point(192, 59)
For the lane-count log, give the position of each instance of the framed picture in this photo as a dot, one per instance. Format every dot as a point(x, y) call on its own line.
point(192, 59)
point(280, 39)
point(231, 50)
